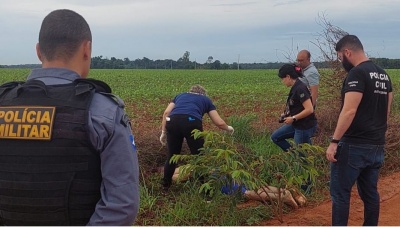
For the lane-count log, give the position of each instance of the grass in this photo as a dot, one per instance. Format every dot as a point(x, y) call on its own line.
point(249, 100)
point(183, 205)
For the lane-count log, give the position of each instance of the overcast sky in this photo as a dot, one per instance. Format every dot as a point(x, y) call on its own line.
point(228, 30)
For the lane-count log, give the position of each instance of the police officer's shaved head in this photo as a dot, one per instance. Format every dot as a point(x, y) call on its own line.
point(61, 33)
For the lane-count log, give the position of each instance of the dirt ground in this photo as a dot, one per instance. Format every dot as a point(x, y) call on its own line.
point(389, 189)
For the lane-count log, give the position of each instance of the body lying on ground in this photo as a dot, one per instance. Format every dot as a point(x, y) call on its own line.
point(291, 197)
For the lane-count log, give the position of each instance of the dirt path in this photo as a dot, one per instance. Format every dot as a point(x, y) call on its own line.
point(389, 189)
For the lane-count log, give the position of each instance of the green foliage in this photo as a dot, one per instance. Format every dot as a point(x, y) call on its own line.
point(183, 205)
point(395, 74)
point(221, 164)
point(190, 208)
point(244, 133)
point(147, 198)
point(7, 75)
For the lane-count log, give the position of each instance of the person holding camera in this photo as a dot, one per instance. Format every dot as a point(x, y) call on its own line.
point(299, 119)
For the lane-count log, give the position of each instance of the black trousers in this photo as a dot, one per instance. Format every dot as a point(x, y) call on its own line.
point(178, 128)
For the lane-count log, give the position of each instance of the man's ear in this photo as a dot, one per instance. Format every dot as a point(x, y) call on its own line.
point(87, 50)
point(38, 53)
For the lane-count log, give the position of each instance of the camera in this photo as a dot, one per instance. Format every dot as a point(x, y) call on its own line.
point(282, 117)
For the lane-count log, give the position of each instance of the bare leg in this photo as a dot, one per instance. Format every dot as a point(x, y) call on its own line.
point(299, 197)
point(176, 177)
point(271, 193)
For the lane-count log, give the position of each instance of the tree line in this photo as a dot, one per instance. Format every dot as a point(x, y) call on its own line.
point(184, 63)
point(99, 62)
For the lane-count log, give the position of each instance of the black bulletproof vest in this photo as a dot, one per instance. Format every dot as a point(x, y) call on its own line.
point(50, 182)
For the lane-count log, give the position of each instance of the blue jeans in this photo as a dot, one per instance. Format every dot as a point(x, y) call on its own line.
point(287, 131)
point(356, 163)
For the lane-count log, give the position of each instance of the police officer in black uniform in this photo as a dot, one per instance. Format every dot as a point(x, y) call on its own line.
point(357, 146)
point(67, 153)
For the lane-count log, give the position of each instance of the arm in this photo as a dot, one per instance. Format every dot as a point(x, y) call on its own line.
point(166, 114)
point(350, 106)
point(314, 94)
point(308, 109)
point(313, 78)
point(111, 135)
point(217, 120)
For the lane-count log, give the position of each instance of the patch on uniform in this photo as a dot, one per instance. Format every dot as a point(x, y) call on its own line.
point(301, 95)
point(26, 122)
point(133, 142)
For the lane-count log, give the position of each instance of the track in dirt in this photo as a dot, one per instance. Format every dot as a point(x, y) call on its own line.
point(389, 189)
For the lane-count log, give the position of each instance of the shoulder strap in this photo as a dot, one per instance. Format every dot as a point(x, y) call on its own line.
point(98, 85)
point(10, 85)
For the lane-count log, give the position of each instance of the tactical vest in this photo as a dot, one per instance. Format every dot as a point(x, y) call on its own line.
point(49, 171)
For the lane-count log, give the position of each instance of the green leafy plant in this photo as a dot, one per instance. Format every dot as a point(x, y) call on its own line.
point(220, 163)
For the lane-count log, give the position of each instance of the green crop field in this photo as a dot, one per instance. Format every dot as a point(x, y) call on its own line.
point(234, 92)
point(147, 92)
point(258, 95)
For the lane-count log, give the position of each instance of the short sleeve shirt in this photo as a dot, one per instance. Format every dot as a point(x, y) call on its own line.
point(311, 75)
point(192, 104)
point(370, 122)
point(298, 94)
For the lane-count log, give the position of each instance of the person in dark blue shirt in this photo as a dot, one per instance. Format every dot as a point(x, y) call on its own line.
point(184, 114)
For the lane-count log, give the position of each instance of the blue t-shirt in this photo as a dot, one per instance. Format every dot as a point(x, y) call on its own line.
point(192, 104)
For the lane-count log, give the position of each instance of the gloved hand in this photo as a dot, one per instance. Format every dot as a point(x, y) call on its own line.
point(163, 138)
point(230, 129)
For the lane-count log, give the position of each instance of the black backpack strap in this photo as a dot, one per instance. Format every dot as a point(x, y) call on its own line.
point(32, 84)
point(10, 85)
point(85, 85)
point(98, 85)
